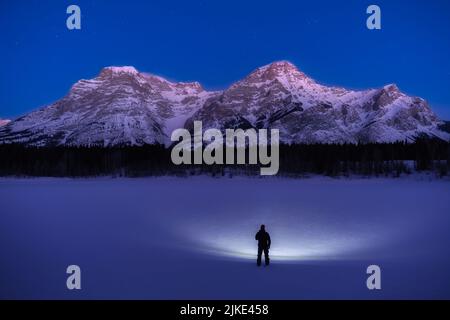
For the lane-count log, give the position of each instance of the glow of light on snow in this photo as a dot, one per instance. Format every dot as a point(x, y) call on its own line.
point(290, 241)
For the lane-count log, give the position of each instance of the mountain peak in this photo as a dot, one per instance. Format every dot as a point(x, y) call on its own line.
point(4, 122)
point(276, 70)
point(282, 65)
point(391, 87)
point(119, 70)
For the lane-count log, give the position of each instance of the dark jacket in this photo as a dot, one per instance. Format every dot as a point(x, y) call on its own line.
point(263, 239)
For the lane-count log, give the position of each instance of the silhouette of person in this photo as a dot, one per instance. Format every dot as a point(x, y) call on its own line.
point(263, 245)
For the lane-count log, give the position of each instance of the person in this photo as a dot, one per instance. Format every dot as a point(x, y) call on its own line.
point(264, 242)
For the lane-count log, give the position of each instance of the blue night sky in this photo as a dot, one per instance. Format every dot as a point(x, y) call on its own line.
point(218, 42)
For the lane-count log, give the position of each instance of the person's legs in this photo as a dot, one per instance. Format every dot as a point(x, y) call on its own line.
point(266, 256)
point(258, 261)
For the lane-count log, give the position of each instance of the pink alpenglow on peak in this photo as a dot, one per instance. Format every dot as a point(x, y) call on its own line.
point(275, 69)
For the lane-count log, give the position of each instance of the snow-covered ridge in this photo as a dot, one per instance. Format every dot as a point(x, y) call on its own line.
point(4, 122)
point(124, 69)
point(122, 106)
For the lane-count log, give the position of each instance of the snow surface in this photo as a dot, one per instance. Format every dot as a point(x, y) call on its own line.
point(192, 238)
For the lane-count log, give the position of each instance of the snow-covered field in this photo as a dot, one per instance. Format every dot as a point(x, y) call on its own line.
point(189, 238)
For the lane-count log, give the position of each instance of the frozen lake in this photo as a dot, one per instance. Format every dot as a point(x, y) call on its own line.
point(193, 238)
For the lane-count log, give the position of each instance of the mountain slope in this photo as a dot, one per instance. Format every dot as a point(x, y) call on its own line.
point(122, 106)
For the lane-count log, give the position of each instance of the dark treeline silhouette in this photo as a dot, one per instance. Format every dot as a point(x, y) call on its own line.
point(367, 159)
point(390, 159)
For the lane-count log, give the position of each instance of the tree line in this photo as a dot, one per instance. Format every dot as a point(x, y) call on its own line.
point(373, 159)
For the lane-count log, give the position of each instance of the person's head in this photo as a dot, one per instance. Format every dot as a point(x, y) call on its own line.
point(263, 227)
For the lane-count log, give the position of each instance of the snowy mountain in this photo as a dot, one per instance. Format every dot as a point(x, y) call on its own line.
point(119, 107)
point(122, 106)
point(4, 122)
point(280, 96)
